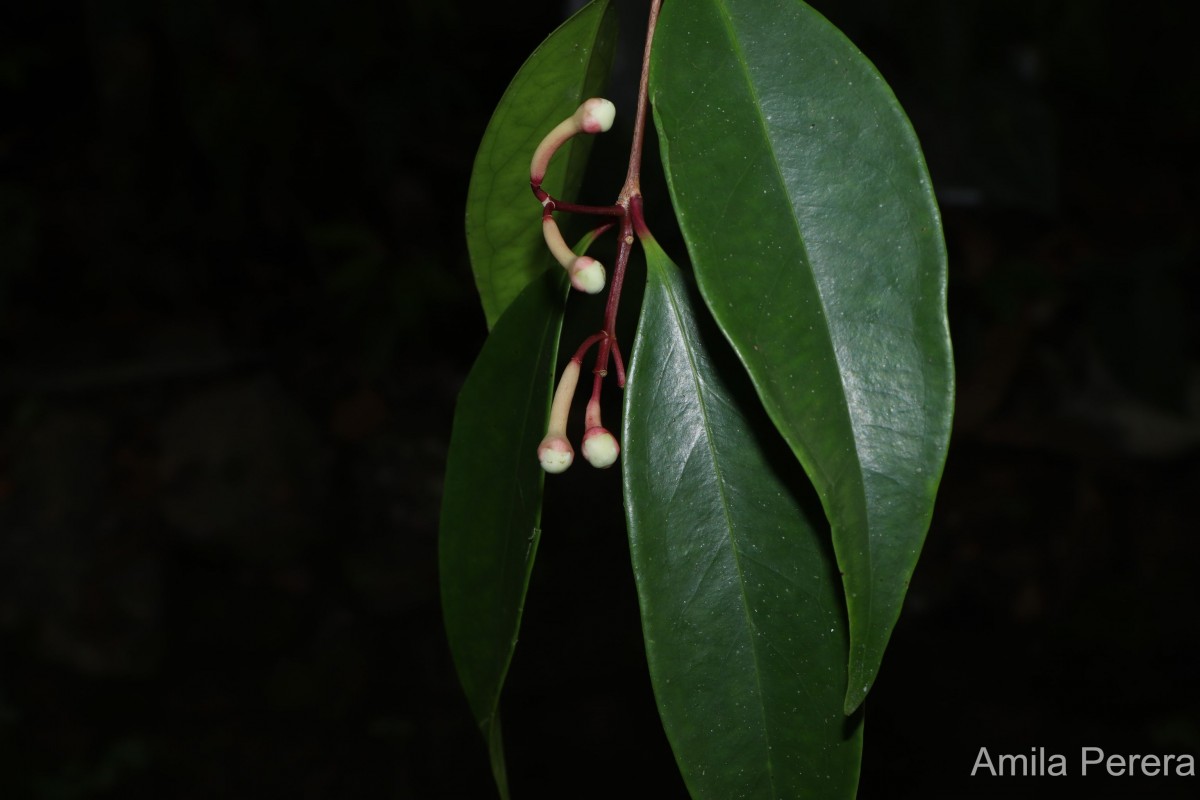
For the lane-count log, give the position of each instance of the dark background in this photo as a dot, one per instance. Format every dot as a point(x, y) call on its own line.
point(235, 311)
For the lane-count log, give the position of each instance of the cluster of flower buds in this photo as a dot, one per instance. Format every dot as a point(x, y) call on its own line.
point(600, 447)
point(593, 116)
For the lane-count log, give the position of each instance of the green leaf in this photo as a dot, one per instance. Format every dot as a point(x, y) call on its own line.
point(504, 235)
point(492, 501)
point(741, 604)
point(808, 213)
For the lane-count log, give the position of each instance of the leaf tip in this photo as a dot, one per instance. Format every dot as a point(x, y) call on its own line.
point(859, 685)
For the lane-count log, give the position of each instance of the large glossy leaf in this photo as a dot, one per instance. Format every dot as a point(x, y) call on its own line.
point(504, 236)
point(741, 603)
point(807, 210)
point(492, 501)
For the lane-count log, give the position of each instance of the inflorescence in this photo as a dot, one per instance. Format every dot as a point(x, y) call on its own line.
point(600, 447)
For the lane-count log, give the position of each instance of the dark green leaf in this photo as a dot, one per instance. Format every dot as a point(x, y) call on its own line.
point(492, 503)
point(504, 235)
point(742, 612)
point(808, 212)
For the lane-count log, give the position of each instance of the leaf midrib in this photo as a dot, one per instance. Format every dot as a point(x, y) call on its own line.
point(725, 508)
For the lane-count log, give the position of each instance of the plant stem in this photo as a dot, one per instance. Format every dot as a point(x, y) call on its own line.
point(630, 199)
point(587, 344)
point(633, 176)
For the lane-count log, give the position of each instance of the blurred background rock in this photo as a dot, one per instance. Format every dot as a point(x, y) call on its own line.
point(235, 311)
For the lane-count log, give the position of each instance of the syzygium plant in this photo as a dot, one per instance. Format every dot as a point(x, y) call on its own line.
point(806, 354)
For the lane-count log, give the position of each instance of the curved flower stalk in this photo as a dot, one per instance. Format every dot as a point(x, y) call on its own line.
point(594, 115)
point(555, 451)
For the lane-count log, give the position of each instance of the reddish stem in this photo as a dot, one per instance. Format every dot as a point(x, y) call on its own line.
point(587, 344)
point(550, 203)
point(630, 199)
point(634, 175)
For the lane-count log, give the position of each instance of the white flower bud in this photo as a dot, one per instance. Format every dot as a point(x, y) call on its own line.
point(587, 275)
point(596, 115)
point(600, 448)
point(555, 453)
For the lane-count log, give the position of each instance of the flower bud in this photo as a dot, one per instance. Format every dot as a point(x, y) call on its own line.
point(587, 275)
point(600, 448)
point(595, 115)
point(555, 453)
